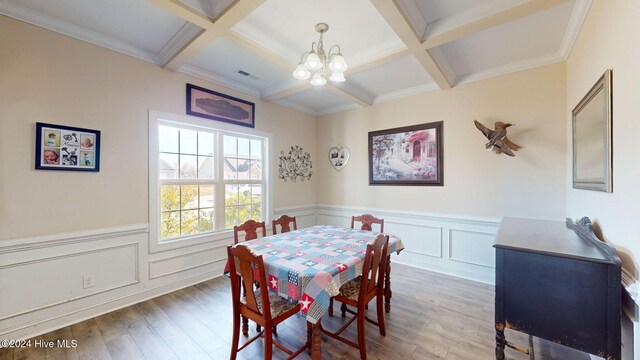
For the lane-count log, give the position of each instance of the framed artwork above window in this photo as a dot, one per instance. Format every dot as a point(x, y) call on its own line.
point(217, 106)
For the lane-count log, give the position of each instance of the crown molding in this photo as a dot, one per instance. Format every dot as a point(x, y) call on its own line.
point(510, 68)
point(62, 27)
point(294, 106)
point(388, 47)
point(578, 14)
point(217, 79)
point(353, 93)
point(187, 32)
point(220, 7)
point(414, 17)
point(406, 92)
point(252, 33)
point(281, 86)
point(339, 108)
point(210, 8)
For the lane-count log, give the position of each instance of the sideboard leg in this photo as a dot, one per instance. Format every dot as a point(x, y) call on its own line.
point(500, 341)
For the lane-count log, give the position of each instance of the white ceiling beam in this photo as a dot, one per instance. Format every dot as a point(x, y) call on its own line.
point(344, 91)
point(259, 50)
point(394, 16)
point(481, 17)
point(377, 61)
point(212, 29)
point(289, 90)
point(185, 12)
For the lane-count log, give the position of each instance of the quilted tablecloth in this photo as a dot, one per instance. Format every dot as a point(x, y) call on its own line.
point(310, 265)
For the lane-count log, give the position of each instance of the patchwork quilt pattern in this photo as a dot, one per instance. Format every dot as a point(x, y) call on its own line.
point(309, 265)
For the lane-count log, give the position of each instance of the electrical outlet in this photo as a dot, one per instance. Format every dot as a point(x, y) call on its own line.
point(88, 281)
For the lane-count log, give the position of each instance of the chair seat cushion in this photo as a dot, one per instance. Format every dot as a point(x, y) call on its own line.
point(351, 289)
point(279, 305)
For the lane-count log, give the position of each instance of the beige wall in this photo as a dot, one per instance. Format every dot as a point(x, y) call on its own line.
point(477, 183)
point(610, 38)
point(51, 78)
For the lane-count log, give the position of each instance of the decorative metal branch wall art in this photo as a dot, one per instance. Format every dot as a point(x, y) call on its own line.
point(295, 164)
point(498, 138)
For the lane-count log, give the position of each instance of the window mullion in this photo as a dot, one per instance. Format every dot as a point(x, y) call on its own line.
point(191, 193)
point(219, 187)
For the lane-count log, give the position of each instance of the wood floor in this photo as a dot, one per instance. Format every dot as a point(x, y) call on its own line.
point(433, 316)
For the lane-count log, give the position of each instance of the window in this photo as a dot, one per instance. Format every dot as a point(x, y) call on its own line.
point(205, 177)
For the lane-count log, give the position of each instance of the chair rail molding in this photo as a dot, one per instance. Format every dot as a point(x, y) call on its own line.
point(450, 244)
point(117, 260)
point(126, 272)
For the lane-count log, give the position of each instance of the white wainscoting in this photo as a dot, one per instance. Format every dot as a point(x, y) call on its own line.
point(41, 278)
point(456, 246)
point(305, 215)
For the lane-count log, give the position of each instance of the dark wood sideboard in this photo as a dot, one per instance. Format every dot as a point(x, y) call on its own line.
point(558, 282)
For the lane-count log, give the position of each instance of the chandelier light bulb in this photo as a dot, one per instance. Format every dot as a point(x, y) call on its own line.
point(313, 61)
point(338, 63)
point(301, 72)
point(337, 76)
point(318, 79)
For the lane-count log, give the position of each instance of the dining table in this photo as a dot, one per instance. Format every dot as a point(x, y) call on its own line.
point(310, 265)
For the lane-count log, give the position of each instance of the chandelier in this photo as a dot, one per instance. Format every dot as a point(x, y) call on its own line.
point(318, 63)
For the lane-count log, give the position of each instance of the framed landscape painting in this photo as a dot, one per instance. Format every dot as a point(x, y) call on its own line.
point(217, 106)
point(67, 148)
point(410, 155)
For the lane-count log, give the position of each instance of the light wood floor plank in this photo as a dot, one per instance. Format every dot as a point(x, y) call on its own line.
point(124, 348)
point(179, 341)
point(433, 316)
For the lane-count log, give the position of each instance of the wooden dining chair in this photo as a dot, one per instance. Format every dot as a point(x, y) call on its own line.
point(250, 228)
point(285, 223)
point(367, 221)
point(261, 305)
point(360, 291)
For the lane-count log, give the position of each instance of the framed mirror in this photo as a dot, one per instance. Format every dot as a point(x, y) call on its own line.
point(592, 159)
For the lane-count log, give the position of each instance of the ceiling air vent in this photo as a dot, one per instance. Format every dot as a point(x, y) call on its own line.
point(246, 74)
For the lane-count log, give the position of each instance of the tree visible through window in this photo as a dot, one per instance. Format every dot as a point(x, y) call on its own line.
point(209, 180)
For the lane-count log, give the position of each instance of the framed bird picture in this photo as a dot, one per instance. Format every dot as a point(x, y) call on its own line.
point(410, 155)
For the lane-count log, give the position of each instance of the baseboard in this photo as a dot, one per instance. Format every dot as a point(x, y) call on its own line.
point(451, 245)
point(43, 326)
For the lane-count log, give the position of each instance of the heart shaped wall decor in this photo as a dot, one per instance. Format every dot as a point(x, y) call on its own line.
point(339, 156)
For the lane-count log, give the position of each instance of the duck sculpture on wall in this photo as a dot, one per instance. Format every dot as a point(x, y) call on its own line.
point(498, 138)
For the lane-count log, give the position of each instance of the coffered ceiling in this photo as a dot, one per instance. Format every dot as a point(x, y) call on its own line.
point(393, 48)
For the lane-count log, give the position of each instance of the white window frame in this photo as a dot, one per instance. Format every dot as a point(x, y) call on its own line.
point(156, 118)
